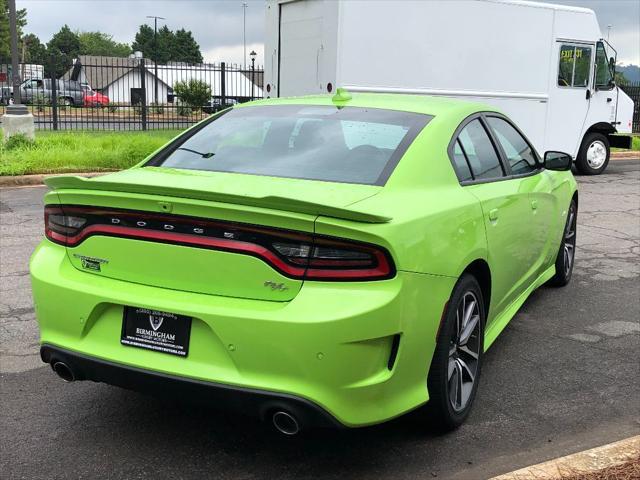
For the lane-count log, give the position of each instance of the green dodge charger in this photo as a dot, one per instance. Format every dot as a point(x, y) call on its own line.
point(314, 261)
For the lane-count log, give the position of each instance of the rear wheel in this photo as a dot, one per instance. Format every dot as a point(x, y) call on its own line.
point(567, 252)
point(455, 368)
point(593, 156)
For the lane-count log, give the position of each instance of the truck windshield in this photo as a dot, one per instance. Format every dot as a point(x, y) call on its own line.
point(347, 144)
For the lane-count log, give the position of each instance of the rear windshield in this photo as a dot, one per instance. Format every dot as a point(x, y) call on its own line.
point(336, 144)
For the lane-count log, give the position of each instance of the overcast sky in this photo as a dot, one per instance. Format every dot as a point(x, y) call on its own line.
point(217, 24)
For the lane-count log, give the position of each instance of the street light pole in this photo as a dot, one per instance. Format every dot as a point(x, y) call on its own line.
point(155, 62)
point(253, 73)
point(244, 34)
point(15, 68)
point(609, 31)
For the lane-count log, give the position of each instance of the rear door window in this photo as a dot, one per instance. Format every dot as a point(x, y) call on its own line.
point(521, 157)
point(479, 152)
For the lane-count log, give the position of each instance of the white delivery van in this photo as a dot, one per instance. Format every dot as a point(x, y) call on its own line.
point(546, 66)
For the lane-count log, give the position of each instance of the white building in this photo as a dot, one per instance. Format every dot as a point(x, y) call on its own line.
point(121, 79)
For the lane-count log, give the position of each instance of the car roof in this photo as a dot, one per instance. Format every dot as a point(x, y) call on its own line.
point(424, 104)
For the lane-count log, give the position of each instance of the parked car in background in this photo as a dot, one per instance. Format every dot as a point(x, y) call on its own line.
point(92, 98)
point(215, 104)
point(68, 92)
point(313, 261)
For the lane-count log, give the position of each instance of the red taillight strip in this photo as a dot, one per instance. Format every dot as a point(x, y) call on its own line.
point(341, 271)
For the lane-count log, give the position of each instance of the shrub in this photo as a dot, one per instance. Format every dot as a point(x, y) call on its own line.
point(184, 110)
point(194, 93)
point(19, 141)
point(157, 108)
point(112, 108)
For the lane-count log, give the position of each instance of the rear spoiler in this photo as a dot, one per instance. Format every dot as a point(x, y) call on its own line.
point(274, 202)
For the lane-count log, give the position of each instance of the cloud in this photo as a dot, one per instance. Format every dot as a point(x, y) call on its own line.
point(217, 25)
point(234, 53)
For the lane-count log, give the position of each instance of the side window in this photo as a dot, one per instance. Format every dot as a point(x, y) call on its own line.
point(604, 77)
point(460, 160)
point(574, 66)
point(479, 151)
point(519, 153)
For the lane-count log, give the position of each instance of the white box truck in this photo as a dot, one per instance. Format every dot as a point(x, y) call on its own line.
point(546, 66)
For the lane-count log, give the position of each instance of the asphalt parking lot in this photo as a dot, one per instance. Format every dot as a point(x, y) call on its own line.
point(562, 377)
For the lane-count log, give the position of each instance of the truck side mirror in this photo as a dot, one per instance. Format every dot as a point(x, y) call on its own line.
point(558, 161)
point(612, 64)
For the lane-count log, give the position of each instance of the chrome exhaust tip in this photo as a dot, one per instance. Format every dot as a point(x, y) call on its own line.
point(285, 423)
point(64, 371)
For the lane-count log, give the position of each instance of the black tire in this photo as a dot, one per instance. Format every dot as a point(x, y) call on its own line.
point(442, 412)
point(591, 143)
point(567, 251)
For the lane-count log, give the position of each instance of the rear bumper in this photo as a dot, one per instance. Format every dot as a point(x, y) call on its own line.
point(331, 345)
point(247, 401)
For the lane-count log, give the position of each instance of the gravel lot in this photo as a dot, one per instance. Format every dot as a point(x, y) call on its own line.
point(562, 377)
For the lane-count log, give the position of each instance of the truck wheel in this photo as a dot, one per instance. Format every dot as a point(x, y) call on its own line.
point(593, 156)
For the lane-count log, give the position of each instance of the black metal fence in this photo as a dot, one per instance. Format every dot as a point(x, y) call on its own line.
point(108, 93)
point(633, 90)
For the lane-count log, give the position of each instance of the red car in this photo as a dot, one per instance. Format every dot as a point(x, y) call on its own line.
point(91, 98)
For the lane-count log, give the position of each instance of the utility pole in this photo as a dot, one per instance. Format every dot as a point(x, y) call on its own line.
point(15, 67)
point(155, 48)
point(244, 34)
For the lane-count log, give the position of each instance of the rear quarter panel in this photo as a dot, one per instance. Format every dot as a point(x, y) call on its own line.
point(436, 225)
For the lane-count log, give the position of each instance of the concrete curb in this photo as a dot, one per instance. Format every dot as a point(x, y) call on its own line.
point(27, 180)
point(584, 462)
point(625, 155)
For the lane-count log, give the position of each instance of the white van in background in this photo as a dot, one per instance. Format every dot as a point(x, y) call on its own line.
point(546, 66)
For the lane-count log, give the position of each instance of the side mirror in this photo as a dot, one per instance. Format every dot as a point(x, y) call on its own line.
point(612, 64)
point(558, 161)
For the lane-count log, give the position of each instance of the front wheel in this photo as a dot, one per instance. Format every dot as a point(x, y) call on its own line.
point(455, 367)
point(593, 156)
point(567, 253)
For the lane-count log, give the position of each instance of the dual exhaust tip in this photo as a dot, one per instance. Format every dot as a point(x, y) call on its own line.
point(283, 421)
point(64, 371)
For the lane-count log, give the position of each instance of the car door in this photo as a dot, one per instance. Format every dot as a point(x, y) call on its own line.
point(525, 165)
point(506, 210)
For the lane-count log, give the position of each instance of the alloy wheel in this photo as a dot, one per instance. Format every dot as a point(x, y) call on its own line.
point(464, 352)
point(569, 244)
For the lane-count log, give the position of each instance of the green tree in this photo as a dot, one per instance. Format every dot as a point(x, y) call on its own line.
point(185, 48)
point(620, 79)
point(168, 46)
point(63, 47)
point(99, 43)
point(33, 51)
point(5, 33)
point(193, 93)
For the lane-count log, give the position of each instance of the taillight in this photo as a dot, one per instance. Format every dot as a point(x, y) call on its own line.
point(295, 254)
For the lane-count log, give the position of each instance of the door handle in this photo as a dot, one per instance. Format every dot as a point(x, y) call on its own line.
point(609, 99)
point(493, 214)
point(534, 204)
